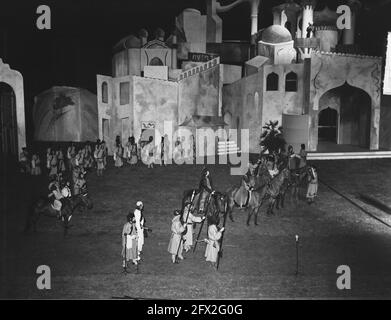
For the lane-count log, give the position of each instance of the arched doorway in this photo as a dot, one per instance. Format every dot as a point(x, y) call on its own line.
point(345, 117)
point(8, 122)
point(328, 125)
point(156, 62)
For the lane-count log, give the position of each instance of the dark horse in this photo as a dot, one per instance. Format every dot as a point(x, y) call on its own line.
point(246, 197)
point(215, 203)
point(277, 187)
point(43, 207)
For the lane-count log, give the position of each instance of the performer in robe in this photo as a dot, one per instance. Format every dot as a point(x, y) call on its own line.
point(133, 151)
point(80, 185)
point(213, 245)
point(148, 153)
point(61, 162)
point(53, 164)
point(206, 189)
point(129, 241)
point(118, 155)
point(303, 156)
point(139, 222)
point(98, 154)
point(36, 165)
point(71, 153)
point(293, 159)
point(105, 152)
point(189, 219)
point(24, 161)
point(48, 158)
point(127, 150)
point(55, 195)
point(312, 190)
point(176, 243)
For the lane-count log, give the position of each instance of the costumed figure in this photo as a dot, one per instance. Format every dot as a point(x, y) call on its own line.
point(213, 245)
point(175, 246)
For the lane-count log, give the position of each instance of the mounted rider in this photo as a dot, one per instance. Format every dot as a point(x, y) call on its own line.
point(55, 195)
point(80, 186)
point(206, 189)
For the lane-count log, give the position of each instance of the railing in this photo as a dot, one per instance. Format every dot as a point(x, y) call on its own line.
point(198, 69)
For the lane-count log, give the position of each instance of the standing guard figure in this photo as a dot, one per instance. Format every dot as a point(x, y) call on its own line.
point(189, 219)
point(206, 189)
point(175, 247)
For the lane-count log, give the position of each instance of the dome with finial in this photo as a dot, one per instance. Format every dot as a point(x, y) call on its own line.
point(159, 33)
point(276, 34)
point(143, 33)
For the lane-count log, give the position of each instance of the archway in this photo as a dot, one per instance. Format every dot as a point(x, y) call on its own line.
point(8, 121)
point(345, 116)
point(328, 125)
point(156, 62)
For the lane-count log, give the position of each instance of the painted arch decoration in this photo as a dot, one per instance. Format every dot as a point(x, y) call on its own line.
point(14, 79)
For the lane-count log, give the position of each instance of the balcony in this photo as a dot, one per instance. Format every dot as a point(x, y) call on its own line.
point(305, 43)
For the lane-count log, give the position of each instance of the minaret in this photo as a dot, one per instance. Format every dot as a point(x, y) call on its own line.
point(254, 16)
point(308, 18)
point(306, 41)
point(349, 34)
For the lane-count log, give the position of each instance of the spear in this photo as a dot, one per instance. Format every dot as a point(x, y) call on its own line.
point(187, 218)
point(220, 255)
point(202, 223)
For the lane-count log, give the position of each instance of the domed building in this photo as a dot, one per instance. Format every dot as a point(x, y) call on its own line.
point(277, 44)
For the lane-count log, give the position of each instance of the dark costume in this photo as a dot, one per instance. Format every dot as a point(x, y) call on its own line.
point(206, 188)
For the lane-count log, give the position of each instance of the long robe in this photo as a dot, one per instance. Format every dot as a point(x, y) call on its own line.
point(129, 242)
point(133, 154)
point(312, 190)
point(213, 245)
point(139, 227)
point(190, 219)
point(176, 234)
point(118, 157)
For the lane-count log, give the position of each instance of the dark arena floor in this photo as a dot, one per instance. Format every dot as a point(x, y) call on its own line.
point(259, 261)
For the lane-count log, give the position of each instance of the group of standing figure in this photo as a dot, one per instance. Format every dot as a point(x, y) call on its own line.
point(133, 234)
point(182, 236)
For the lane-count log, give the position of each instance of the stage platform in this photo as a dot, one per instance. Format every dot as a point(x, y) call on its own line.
point(332, 151)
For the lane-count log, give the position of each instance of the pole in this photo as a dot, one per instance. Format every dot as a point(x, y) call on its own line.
point(202, 223)
point(297, 255)
point(125, 248)
point(187, 218)
point(220, 255)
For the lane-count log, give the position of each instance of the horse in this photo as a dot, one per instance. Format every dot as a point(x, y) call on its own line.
point(276, 187)
point(262, 176)
point(298, 176)
point(215, 203)
point(246, 197)
point(43, 207)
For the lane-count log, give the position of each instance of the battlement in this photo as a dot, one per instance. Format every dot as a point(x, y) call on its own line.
point(359, 56)
point(198, 69)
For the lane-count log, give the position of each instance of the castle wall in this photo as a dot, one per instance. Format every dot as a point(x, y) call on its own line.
point(154, 101)
point(199, 94)
point(330, 71)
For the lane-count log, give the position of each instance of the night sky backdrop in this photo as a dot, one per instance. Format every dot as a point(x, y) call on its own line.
point(79, 45)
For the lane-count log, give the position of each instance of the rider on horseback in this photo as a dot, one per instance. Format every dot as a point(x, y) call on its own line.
point(80, 186)
point(55, 195)
point(206, 189)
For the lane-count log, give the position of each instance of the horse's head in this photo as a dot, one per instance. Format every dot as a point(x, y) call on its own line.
point(220, 201)
point(286, 173)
